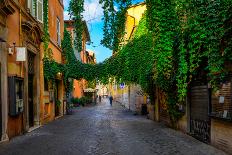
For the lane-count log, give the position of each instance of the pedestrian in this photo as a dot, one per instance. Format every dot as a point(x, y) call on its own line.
point(111, 99)
point(99, 98)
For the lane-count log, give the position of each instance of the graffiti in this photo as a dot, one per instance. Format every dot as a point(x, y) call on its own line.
point(200, 129)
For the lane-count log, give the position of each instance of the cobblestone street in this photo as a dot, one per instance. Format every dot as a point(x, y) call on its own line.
point(105, 130)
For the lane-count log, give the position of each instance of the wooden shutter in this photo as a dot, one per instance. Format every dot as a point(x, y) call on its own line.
point(31, 5)
point(58, 31)
point(40, 10)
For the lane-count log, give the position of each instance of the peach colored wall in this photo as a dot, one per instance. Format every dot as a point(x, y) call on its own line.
point(55, 11)
point(78, 85)
point(77, 88)
point(15, 126)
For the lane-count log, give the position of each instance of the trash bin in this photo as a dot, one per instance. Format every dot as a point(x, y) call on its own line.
point(144, 109)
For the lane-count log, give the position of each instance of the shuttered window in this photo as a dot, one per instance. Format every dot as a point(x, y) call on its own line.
point(31, 5)
point(40, 10)
point(35, 8)
point(58, 31)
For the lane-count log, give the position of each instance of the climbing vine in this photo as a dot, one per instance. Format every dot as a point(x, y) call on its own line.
point(46, 37)
point(76, 8)
point(174, 42)
point(114, 22)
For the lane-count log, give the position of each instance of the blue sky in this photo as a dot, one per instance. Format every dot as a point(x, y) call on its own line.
point(93, 15)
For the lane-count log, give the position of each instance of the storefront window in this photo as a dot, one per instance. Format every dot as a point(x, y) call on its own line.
point(222, 101)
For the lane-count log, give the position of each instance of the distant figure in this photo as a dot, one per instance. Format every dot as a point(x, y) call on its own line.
point(99, 98)
point(111, 100)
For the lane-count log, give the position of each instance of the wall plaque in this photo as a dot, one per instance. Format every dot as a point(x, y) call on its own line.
point(21, 54)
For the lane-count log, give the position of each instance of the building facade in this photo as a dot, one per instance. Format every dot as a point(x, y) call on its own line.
point(53, 102)
point(207, 115)
point(21, 40)
point(82, 56)
point(130, 96)
point(24, 95)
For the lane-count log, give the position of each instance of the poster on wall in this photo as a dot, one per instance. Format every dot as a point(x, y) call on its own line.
point(21, 54)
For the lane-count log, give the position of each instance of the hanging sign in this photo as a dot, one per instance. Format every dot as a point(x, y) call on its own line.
point(21, 54)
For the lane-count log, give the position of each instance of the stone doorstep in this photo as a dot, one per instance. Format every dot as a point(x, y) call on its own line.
point(4, 139)
point(33, 128)
point(57, 117)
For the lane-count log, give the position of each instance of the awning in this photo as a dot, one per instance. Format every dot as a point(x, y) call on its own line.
point(89, 90)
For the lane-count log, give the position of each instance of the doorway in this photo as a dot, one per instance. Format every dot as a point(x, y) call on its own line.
point(56, 91)
point(0, 103)
point(199, 107)
point(31, 88)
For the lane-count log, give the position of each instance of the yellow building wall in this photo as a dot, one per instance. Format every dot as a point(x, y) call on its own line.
point(134, 15)
point(129, 96)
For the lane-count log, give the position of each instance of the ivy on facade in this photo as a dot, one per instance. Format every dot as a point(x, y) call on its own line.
point(172, 42)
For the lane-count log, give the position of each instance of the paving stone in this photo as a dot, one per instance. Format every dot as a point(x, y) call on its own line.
point(105, 130)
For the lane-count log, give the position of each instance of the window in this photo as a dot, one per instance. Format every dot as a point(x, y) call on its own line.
point(31, 5)
point(40, 10)
point(36, 9)
point(45, 84)
point(58, 31)
point(222, 101)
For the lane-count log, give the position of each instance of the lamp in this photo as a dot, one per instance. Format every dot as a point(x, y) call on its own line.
point(10, 50)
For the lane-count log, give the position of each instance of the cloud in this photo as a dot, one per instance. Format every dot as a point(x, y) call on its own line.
point(66, 15)
point(93, 11)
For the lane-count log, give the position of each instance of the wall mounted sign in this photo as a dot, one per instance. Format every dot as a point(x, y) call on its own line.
point(21, 54)
point(122, 85)
point(221, 99)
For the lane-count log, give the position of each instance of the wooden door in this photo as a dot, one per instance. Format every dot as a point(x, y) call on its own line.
point(57, 111)
point(31, 69)
point(30, 100)
point(0, 103)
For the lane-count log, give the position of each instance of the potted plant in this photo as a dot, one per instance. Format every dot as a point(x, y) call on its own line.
point(69, 108)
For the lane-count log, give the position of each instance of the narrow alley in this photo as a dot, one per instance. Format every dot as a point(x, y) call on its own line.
point(102, 130)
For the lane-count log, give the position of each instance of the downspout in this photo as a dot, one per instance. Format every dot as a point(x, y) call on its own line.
point(20, 40)
point(133, 27)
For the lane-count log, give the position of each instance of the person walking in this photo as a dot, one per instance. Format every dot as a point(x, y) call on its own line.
point(99, 98)
point(111, 99)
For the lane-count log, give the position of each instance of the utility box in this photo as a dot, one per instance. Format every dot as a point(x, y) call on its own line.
point(15, 94)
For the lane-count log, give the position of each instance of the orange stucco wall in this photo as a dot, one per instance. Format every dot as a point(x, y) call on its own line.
point(15, 124)
point(48, 107)
point(78, 85)
point(55, 11)
point(77, 89)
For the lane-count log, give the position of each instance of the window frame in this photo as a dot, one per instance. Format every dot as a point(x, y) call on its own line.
point(58, 31)
point(37, 10)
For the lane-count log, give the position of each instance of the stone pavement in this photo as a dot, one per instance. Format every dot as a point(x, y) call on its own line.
point(105, 130)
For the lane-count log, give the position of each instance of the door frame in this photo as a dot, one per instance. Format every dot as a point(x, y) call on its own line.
point(0, 101)
point(36, 88)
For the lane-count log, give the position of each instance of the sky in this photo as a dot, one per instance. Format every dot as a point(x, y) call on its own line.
point(93, 16)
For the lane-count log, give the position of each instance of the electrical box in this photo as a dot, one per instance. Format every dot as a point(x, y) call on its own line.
point(15, 93)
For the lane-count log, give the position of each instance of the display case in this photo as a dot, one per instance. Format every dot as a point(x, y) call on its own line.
point(222, 101)
point(15, 93)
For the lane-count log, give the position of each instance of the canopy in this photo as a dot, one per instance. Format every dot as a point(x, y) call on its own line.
point(89, 90)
